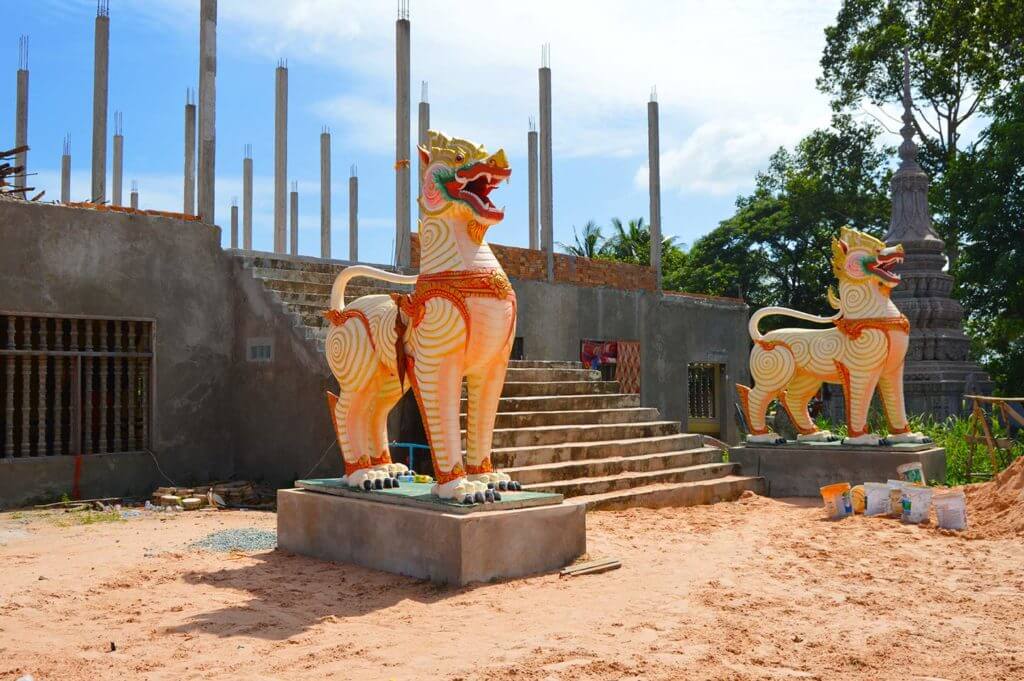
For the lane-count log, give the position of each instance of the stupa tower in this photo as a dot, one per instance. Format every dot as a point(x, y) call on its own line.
point(937, 372)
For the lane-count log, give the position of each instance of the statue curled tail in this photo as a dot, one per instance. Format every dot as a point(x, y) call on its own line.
point(350, 273)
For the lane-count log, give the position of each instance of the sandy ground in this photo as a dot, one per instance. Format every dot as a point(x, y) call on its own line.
point(758, 589)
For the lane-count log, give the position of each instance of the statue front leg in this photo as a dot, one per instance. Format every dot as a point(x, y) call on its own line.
point(890, 387)
point(859, 387)
point(484, 393)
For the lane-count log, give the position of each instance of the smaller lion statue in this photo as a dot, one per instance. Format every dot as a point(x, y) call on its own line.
point(863, 350)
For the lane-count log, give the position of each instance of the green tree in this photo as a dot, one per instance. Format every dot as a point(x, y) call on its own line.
point(775, 249)
point(586, 245)
point(989, 177)
point(963, 53)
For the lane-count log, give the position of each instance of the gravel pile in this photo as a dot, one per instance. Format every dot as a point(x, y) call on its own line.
point(244, 539)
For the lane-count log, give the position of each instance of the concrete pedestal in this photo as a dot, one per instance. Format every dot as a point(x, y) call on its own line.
point(428, 544)
point(801, 470)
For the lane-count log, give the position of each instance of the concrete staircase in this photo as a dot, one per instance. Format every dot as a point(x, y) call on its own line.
point(303, 286)
point(559, 428)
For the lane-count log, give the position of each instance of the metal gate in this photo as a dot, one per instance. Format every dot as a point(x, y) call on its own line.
point(703, 382)
point(74, 385)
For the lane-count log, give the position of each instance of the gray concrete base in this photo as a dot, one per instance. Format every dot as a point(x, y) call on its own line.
point(441, 547)
point(793, 470)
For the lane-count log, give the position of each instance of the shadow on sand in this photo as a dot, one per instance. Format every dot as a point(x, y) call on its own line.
point(292, 593)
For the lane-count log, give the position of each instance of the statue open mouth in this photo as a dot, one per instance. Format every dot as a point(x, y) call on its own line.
point(883, 267)
point(475, 183)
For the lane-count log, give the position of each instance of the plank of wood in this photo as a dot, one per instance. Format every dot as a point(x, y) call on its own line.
point(591, 567)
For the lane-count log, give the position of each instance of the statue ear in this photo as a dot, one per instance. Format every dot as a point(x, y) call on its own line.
point(843, 245)
point(424, 155)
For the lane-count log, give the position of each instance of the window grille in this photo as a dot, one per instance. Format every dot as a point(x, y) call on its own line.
point(74, 385)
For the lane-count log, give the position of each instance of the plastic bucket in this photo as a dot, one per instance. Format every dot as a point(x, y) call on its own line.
point(896, 497)
point(917, 501)
point(837, 500)
point(950, 510)
point(877, 498)
point(912, 473)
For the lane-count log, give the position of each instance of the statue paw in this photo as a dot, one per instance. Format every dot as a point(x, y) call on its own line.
point(819, 436)
point(866, 440)
point(911, 438)
point(766, 439)
point(460, 489)
point(366, 479)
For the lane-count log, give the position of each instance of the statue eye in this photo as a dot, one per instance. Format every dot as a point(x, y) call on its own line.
point(460, 158)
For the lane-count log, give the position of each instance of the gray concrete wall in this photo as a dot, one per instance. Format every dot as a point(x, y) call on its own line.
point(673, 331)
point(218, 414)
point(280, 422)
point(64, 260)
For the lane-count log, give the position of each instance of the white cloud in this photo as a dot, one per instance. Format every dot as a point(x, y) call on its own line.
point(735, 78)
point(720, 157)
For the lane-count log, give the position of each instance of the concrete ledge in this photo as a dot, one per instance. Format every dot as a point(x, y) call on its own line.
point(38, 479)
point(441, 547)
point(801, 470)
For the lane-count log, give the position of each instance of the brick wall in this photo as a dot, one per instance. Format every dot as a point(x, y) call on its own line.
point(523, 263)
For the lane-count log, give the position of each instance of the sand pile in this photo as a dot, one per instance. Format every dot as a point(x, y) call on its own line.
point(996, 508)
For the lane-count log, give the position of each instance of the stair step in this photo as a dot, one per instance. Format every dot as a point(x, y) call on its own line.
point(528, 419)
point(627, 480)
point(694, 493)
point(527, 389)
point(561, 402)
point(576, 451)
point(543, 364)
point(545, 375)
point(596, 468)
point(559, 433)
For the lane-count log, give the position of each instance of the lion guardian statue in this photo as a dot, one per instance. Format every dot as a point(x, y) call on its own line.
point(458, 323)
point(863, 349)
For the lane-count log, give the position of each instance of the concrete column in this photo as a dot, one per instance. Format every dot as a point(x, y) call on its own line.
point(21, 113)
point(325, 194)
point(65, 172)
point(189, 207)
point(280, 157)
point(100, 73)
point(531, 166)
point(234, 223)
point(423, 139)
point(353, 216)
point(135, 195)
point(295, 218)
point(546, 179)
point(118, 188)
point(403, 229)
point(654, 180)
point(207, 129)
point(247, 199)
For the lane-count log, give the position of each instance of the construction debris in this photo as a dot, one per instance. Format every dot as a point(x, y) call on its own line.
point(238, 494)
point(591, 567)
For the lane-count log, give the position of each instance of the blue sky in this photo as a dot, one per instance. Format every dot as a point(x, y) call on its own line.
point(735, 80)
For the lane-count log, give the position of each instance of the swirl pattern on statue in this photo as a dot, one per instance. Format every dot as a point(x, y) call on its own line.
point(857, 352)
point(381, 345)
point(438, 246)
point(772, 367)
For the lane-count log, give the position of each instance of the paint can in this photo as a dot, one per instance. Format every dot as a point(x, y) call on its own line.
point(950, 510)
point(896, 497)
point(838, 503)
point(876, 498)
point(911, 472)
point(917, 502)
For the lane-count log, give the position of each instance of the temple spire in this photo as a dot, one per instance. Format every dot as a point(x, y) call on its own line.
point(911, 217)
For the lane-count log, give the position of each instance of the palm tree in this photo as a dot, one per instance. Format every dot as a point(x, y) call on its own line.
point(631, 242)
point(589, 244)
